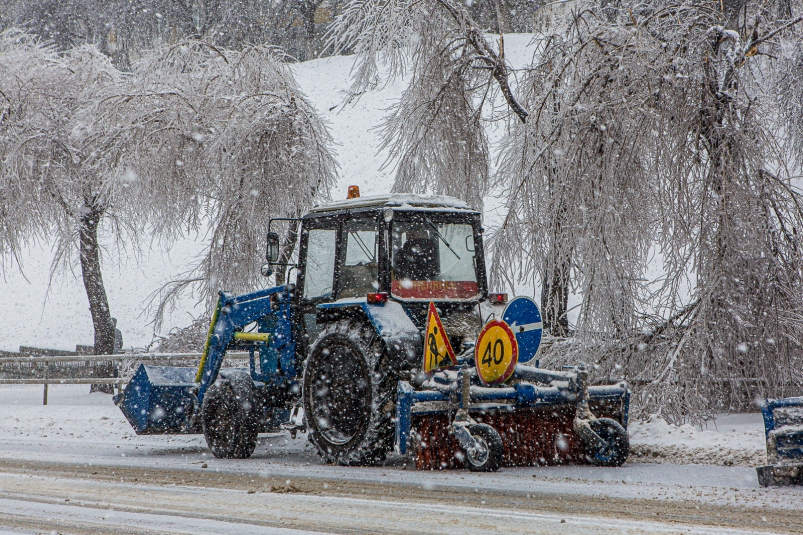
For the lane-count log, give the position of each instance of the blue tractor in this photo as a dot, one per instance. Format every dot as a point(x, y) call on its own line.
point(341, 354)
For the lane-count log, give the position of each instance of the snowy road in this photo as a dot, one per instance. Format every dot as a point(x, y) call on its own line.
point(81, 449)
point(89, 506)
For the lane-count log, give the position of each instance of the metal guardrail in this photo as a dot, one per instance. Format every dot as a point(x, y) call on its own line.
point(79, 381)
point(45, 360)
point(139, 357)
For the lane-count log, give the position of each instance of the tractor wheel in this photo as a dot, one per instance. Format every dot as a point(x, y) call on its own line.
point(617, 443)
point(349, 395)
point(489, 457)
point(230, 416)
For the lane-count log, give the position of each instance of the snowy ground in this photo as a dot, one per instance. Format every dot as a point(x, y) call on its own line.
point(80, 448)
point(75, 416)
point(732, 439)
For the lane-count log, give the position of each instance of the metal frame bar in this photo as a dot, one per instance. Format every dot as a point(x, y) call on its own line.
point(769, 405)
point(787, 447)
point(44, 361)
point(235, 313)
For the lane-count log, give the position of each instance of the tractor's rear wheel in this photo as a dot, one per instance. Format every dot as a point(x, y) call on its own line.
point(230, 416)
point(349, 395)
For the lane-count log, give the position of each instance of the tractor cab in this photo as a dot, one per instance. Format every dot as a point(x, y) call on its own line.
point(407, 249)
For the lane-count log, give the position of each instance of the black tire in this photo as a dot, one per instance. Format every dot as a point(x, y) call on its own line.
point(780, 476)
point(230, 417)
point(490, 459)
point(617, 443)
point(349, 395)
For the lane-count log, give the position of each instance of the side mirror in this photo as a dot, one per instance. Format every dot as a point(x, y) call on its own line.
point(272, 249)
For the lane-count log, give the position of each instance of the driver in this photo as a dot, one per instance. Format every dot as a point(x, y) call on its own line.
point(418, 258)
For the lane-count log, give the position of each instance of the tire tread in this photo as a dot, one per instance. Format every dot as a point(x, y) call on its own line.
point(377, 440)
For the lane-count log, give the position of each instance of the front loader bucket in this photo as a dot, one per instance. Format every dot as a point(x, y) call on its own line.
point(159, 400)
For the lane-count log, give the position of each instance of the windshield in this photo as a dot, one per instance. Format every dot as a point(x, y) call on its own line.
point(433, 260)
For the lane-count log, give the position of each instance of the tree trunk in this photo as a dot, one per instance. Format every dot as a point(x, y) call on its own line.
point(557, 265)
point(555, 290)
point(555, 295)
point(308, 14)
point(503, 16)
point(95, 292)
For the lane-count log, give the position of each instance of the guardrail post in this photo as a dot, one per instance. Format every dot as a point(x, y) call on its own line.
point(44, 396)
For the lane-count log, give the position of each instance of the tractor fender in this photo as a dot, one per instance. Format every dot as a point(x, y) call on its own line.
point(391, 323)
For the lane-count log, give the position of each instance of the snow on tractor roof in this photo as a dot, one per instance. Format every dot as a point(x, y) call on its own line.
point(400, 200)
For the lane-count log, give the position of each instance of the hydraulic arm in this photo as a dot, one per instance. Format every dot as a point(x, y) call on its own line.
point(162, 399)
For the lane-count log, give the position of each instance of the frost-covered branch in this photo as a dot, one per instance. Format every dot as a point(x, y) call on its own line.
point(655, 142)
point(231, 141)
point(434, 134)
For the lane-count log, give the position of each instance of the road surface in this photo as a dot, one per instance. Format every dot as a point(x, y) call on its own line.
point(80, 469)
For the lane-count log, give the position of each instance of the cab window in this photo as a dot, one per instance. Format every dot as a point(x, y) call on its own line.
point(433, 260)
point(360, 273)
point(319, 271)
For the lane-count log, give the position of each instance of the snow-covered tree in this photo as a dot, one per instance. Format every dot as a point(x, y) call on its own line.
point(229, 139)
point(654, 132)
point(435, 132)
point(122, 29)
point(196, 136)
point(53, 183)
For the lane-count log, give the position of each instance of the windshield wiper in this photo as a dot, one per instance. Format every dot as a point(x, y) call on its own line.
point(362, 246)
point(438, 234)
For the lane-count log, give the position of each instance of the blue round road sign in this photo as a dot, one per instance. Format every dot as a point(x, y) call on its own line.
point(524, 318)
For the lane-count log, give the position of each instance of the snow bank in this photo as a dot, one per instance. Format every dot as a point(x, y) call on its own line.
point(733, 439)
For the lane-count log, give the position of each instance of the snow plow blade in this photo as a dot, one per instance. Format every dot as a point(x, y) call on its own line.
point(160, 400)
point(537, 424)
point(783, 429)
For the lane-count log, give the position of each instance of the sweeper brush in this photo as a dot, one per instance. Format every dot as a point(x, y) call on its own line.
point(388, 339)
point(482, 409)
point(552, 418)
point(530, 436)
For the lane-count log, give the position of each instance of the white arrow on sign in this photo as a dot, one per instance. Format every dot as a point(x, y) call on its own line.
point(528, 326)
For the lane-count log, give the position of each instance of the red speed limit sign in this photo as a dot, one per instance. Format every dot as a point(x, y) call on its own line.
point(496, 353)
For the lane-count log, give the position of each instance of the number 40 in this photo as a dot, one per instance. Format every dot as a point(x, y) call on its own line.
point(495, 355)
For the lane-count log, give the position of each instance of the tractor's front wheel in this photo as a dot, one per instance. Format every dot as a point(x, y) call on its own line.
point(615, 445)
point(349, 395)
point(489, 453)
point(230, 416)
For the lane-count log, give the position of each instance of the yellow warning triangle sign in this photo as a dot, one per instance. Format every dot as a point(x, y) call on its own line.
point(438, 352)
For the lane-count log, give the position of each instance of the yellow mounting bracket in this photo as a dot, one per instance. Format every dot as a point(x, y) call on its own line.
point(253, 337)
point(202, 362)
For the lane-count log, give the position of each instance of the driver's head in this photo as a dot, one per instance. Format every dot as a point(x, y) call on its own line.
point(417, 233)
